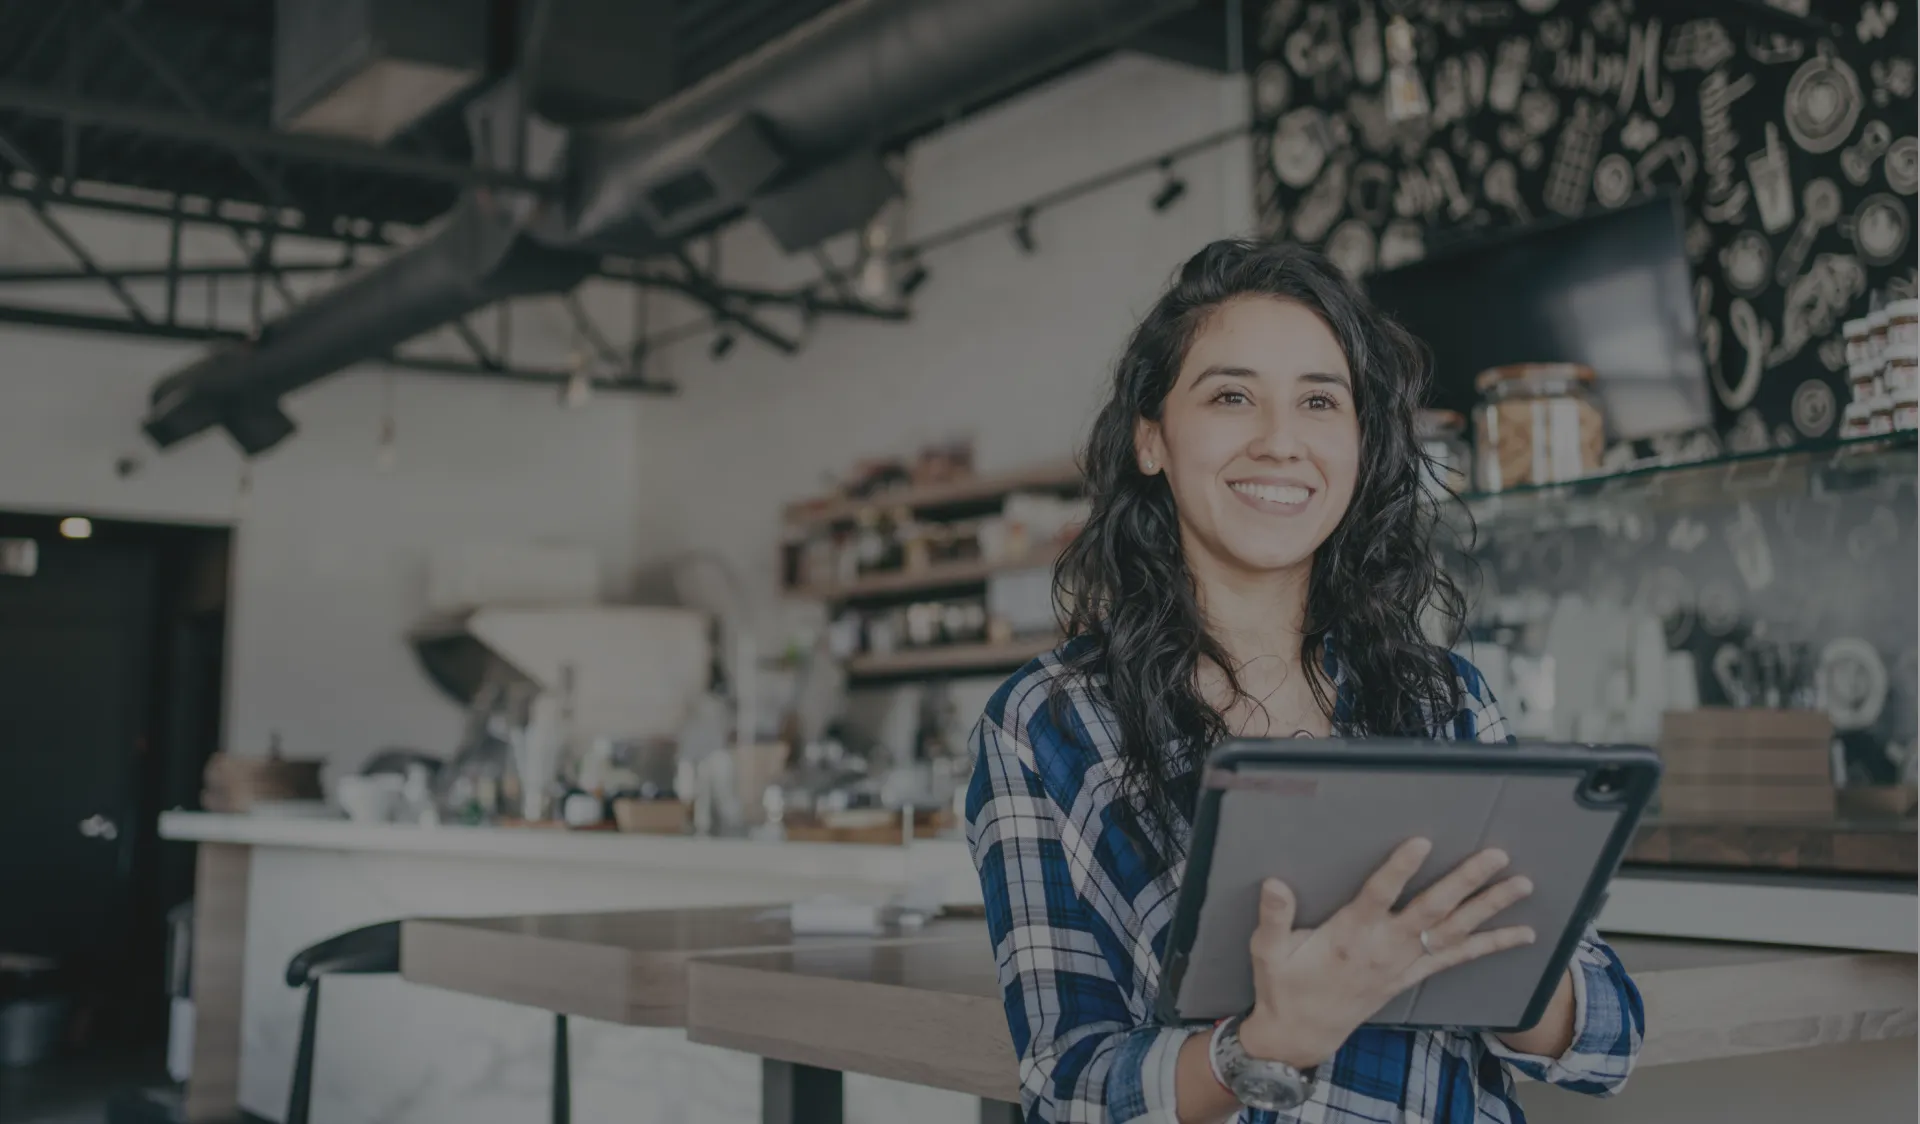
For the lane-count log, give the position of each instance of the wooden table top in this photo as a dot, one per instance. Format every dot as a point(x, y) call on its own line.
point(930, 1013)
point(627, 967)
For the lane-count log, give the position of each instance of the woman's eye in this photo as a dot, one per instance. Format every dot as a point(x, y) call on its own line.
point(1322, 402)
point(1232, 398)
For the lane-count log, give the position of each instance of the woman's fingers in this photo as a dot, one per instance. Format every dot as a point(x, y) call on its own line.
point(1384, 886)
point(1472, 948)
point(1439, 900)
point(1277, 907)
point(1481, 908)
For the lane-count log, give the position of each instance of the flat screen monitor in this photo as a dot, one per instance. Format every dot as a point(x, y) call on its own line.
point(1612, 291)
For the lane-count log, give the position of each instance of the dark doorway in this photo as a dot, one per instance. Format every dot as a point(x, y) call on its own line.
point(112, 640)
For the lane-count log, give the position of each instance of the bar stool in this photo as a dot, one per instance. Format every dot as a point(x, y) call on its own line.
point(375, 950)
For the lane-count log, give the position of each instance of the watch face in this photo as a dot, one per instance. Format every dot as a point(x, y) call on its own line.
point(1274, 1093)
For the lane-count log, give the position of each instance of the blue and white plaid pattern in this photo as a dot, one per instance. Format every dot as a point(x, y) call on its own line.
point(1079, 924)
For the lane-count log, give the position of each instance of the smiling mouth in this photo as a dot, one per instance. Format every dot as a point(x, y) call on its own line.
point(1270, 496)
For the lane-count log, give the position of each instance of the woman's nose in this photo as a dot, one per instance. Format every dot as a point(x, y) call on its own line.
point(1278, 438)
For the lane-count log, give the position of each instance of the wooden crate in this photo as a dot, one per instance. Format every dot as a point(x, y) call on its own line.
point(1746, 763)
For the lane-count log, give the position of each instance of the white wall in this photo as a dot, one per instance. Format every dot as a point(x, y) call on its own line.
point(330, 552)
point(1009, 348)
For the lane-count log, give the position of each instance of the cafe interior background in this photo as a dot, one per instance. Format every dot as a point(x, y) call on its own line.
point(703, 516)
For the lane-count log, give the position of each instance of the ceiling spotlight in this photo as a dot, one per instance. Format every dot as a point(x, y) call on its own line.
point(722, 344)
point(1170, 191)
point(913, 278)
point(76, 527)
point(1023, 232)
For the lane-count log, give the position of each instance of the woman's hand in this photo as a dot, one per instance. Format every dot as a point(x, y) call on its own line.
point(1314, 987)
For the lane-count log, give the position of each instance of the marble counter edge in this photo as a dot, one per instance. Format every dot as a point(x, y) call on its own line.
point(940, 858)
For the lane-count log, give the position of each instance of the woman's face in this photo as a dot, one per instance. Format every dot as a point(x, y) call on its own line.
point(1259, 438)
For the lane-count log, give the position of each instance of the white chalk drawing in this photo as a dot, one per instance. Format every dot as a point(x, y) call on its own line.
point(1440, 170)
point(1699, 241)
point(1784, 436)
point(1772, 186)
point(1726, 198)
point(1687, 534)
point(1315, 51)
point(1797, 7)
point(1876, 20)
point(1853, 683)
point(1756, 337)
point(1369, 63)
point(1709, 324)
point(1301, 141)
point(1574, 156)
point(1449, 92)
point(1698, 45)
point(1501, 187)
point(1745, 262)
point(1532, 156)
point(1402, 243)
point(1276, 20)
point(1509, 72)
point(1823, 103)
point(1902, 165)
point(1856, 160)
point(1627, 75)
point(1351, 247)
point(1608, 19)
point(1539, 111)
point(1638, 133)
point(1272, 88)
point(1460, 140)
point(1747, 541)
point(1671, 163)
point(1370, 193)
point(1537, 7)
point(1666, 595)
point(1772, 47)
point(1317, 212)
point(1880, 229)
point(1833, 353)
point(1816, 303)
point(1613, 180)
point(1416, 195)
point(1479, 155)
point(1368, 113)
point(1512, 136)
point(1821, 198)
point(1749, 433)
point(1813, 408)
point(1892, 78)
point(1719, 606)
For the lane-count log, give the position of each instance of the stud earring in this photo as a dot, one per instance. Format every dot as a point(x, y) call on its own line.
point(1148, 466)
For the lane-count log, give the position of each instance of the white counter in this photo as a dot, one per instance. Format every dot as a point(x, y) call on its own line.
point(392, 1051)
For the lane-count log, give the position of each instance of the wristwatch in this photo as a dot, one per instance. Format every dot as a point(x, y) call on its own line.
point(1258, 1083)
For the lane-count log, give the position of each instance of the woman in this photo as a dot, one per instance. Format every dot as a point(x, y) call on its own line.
point(1257, 563)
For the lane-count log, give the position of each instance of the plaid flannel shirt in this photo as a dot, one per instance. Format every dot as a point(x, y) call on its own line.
point(1079, 924)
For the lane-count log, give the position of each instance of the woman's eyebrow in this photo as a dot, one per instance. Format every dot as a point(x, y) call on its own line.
point(1334, 378)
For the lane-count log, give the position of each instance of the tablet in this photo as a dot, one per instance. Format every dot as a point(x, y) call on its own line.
point(1322, 815)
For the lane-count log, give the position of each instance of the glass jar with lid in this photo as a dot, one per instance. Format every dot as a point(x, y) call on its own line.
point(1443, 439)
point(1537, 423)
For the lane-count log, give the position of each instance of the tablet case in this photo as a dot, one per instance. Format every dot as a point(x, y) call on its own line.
point(1323, 815)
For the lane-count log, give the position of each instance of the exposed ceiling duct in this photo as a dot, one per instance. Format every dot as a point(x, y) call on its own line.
point(791, 133)
point(371, 68)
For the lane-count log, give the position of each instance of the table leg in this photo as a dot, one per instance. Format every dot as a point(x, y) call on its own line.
point(998, 1112)
point(791, 1093)
point(562, 1074)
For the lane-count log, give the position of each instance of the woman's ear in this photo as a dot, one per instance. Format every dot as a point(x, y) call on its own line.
point(1148, 449)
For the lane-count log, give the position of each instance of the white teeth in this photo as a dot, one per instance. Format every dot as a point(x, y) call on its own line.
point(1274, 493)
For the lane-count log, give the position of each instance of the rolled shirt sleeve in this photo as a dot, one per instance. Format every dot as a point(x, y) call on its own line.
point(1609, 1025)
point(1086, 1054)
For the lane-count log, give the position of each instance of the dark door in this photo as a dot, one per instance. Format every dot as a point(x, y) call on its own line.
point(75, 650)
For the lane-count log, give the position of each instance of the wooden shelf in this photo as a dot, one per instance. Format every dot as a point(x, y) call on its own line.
point(951, 657)
point(974, 489)
point(944, 576)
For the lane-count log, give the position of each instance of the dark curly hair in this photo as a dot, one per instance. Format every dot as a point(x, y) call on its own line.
point(1124, 591)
